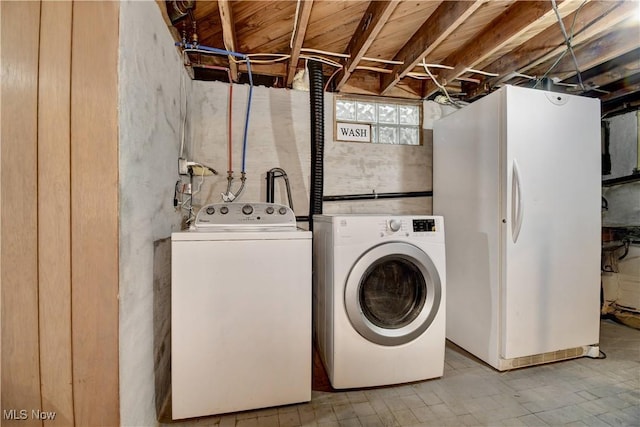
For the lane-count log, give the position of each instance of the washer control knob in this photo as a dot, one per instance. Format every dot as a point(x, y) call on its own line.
point(224, 210)
point(269, 210)
point(282, 210)
point(394, 225)
point(247, 209)
point(210, 210)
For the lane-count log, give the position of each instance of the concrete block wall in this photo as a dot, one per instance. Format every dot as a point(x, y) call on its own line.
point(150, 71)
point(279, 136)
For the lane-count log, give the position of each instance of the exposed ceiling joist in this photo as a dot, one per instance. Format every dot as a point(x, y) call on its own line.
point(447, 17)
point(549, 44)
point(370, 25)
point(515, 40)
point(522, 17)
point(304, 12)
point(620, 68)
point(586, 22)
point(607, 47)
point(597, 24)
point(622, 89)
point(228, 34)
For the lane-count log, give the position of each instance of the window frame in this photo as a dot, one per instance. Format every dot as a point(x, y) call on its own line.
point(377, 100)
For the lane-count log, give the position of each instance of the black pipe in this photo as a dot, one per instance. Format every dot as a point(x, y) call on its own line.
point(373, 196)
point(271, 178)
point(316, 99)
point(621, 180)
point(270, 186)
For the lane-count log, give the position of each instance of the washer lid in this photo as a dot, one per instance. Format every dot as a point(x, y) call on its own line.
point(392, 293)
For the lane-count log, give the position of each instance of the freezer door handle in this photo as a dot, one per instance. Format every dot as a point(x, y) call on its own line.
point(517, 206)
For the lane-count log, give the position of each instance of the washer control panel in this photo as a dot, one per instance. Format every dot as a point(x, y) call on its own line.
point(245, 215)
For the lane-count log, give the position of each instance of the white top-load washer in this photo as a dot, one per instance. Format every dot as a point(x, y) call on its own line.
point(240, 311)
point(379, 298)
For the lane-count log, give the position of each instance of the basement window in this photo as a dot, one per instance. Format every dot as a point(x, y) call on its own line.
point(389, 121)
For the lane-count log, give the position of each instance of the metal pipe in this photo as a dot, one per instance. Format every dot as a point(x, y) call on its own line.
point(270, 186)
point(374, 196)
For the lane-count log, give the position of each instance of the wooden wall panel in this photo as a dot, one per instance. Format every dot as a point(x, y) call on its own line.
point(54, 215)
point(18, 219)
point(94, 212)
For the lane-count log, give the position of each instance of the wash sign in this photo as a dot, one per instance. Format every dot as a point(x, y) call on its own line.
point(355, 132)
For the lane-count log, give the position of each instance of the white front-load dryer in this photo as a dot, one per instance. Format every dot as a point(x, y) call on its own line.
point(379, 298)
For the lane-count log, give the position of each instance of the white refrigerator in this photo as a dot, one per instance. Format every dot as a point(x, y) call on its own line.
point(517, 177)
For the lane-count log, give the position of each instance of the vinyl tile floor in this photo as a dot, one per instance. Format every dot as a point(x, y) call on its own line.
point(578, 392)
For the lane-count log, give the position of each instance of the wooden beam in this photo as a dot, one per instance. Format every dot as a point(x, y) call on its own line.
point(228, 34)
point(518, 19)
point(368, 83)
point(368, 29)
point(277, 69)
point(622, 67)
point(444, 21)
point(623, 89)
point(594, 53)
point(593, 19)
point(298, 38)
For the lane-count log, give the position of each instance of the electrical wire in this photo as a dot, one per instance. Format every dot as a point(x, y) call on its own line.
point(601, 355)
point(383, 61)
point(442, 88)
point(376, 69)
point(325, 52)
point(326, 85)
point(321, 59)
point(484, 73)
point(278, 58)
point(295, 25)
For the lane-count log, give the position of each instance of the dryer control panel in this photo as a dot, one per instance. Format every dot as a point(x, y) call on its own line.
point(258, 215)
point(424, 225)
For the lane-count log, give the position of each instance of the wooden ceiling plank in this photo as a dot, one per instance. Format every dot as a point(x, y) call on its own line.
point(277, 69)
point(516, 20)
point(548, 44)
point(370, 25)
point(626, 90)
point(298, 37)
point(228, 34)
point(447, 17)
point(622, 12)
point(364, 82)
point(617, 69)
point(591, 54)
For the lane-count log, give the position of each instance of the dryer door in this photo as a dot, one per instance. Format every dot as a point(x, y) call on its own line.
point(392, 293)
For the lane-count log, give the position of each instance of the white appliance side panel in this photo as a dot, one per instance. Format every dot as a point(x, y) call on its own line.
point(323, 290)
point(551, 293)
point(241, 325)
point(466, 192)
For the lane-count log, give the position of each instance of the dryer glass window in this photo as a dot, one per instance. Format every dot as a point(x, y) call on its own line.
point(392, 292)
